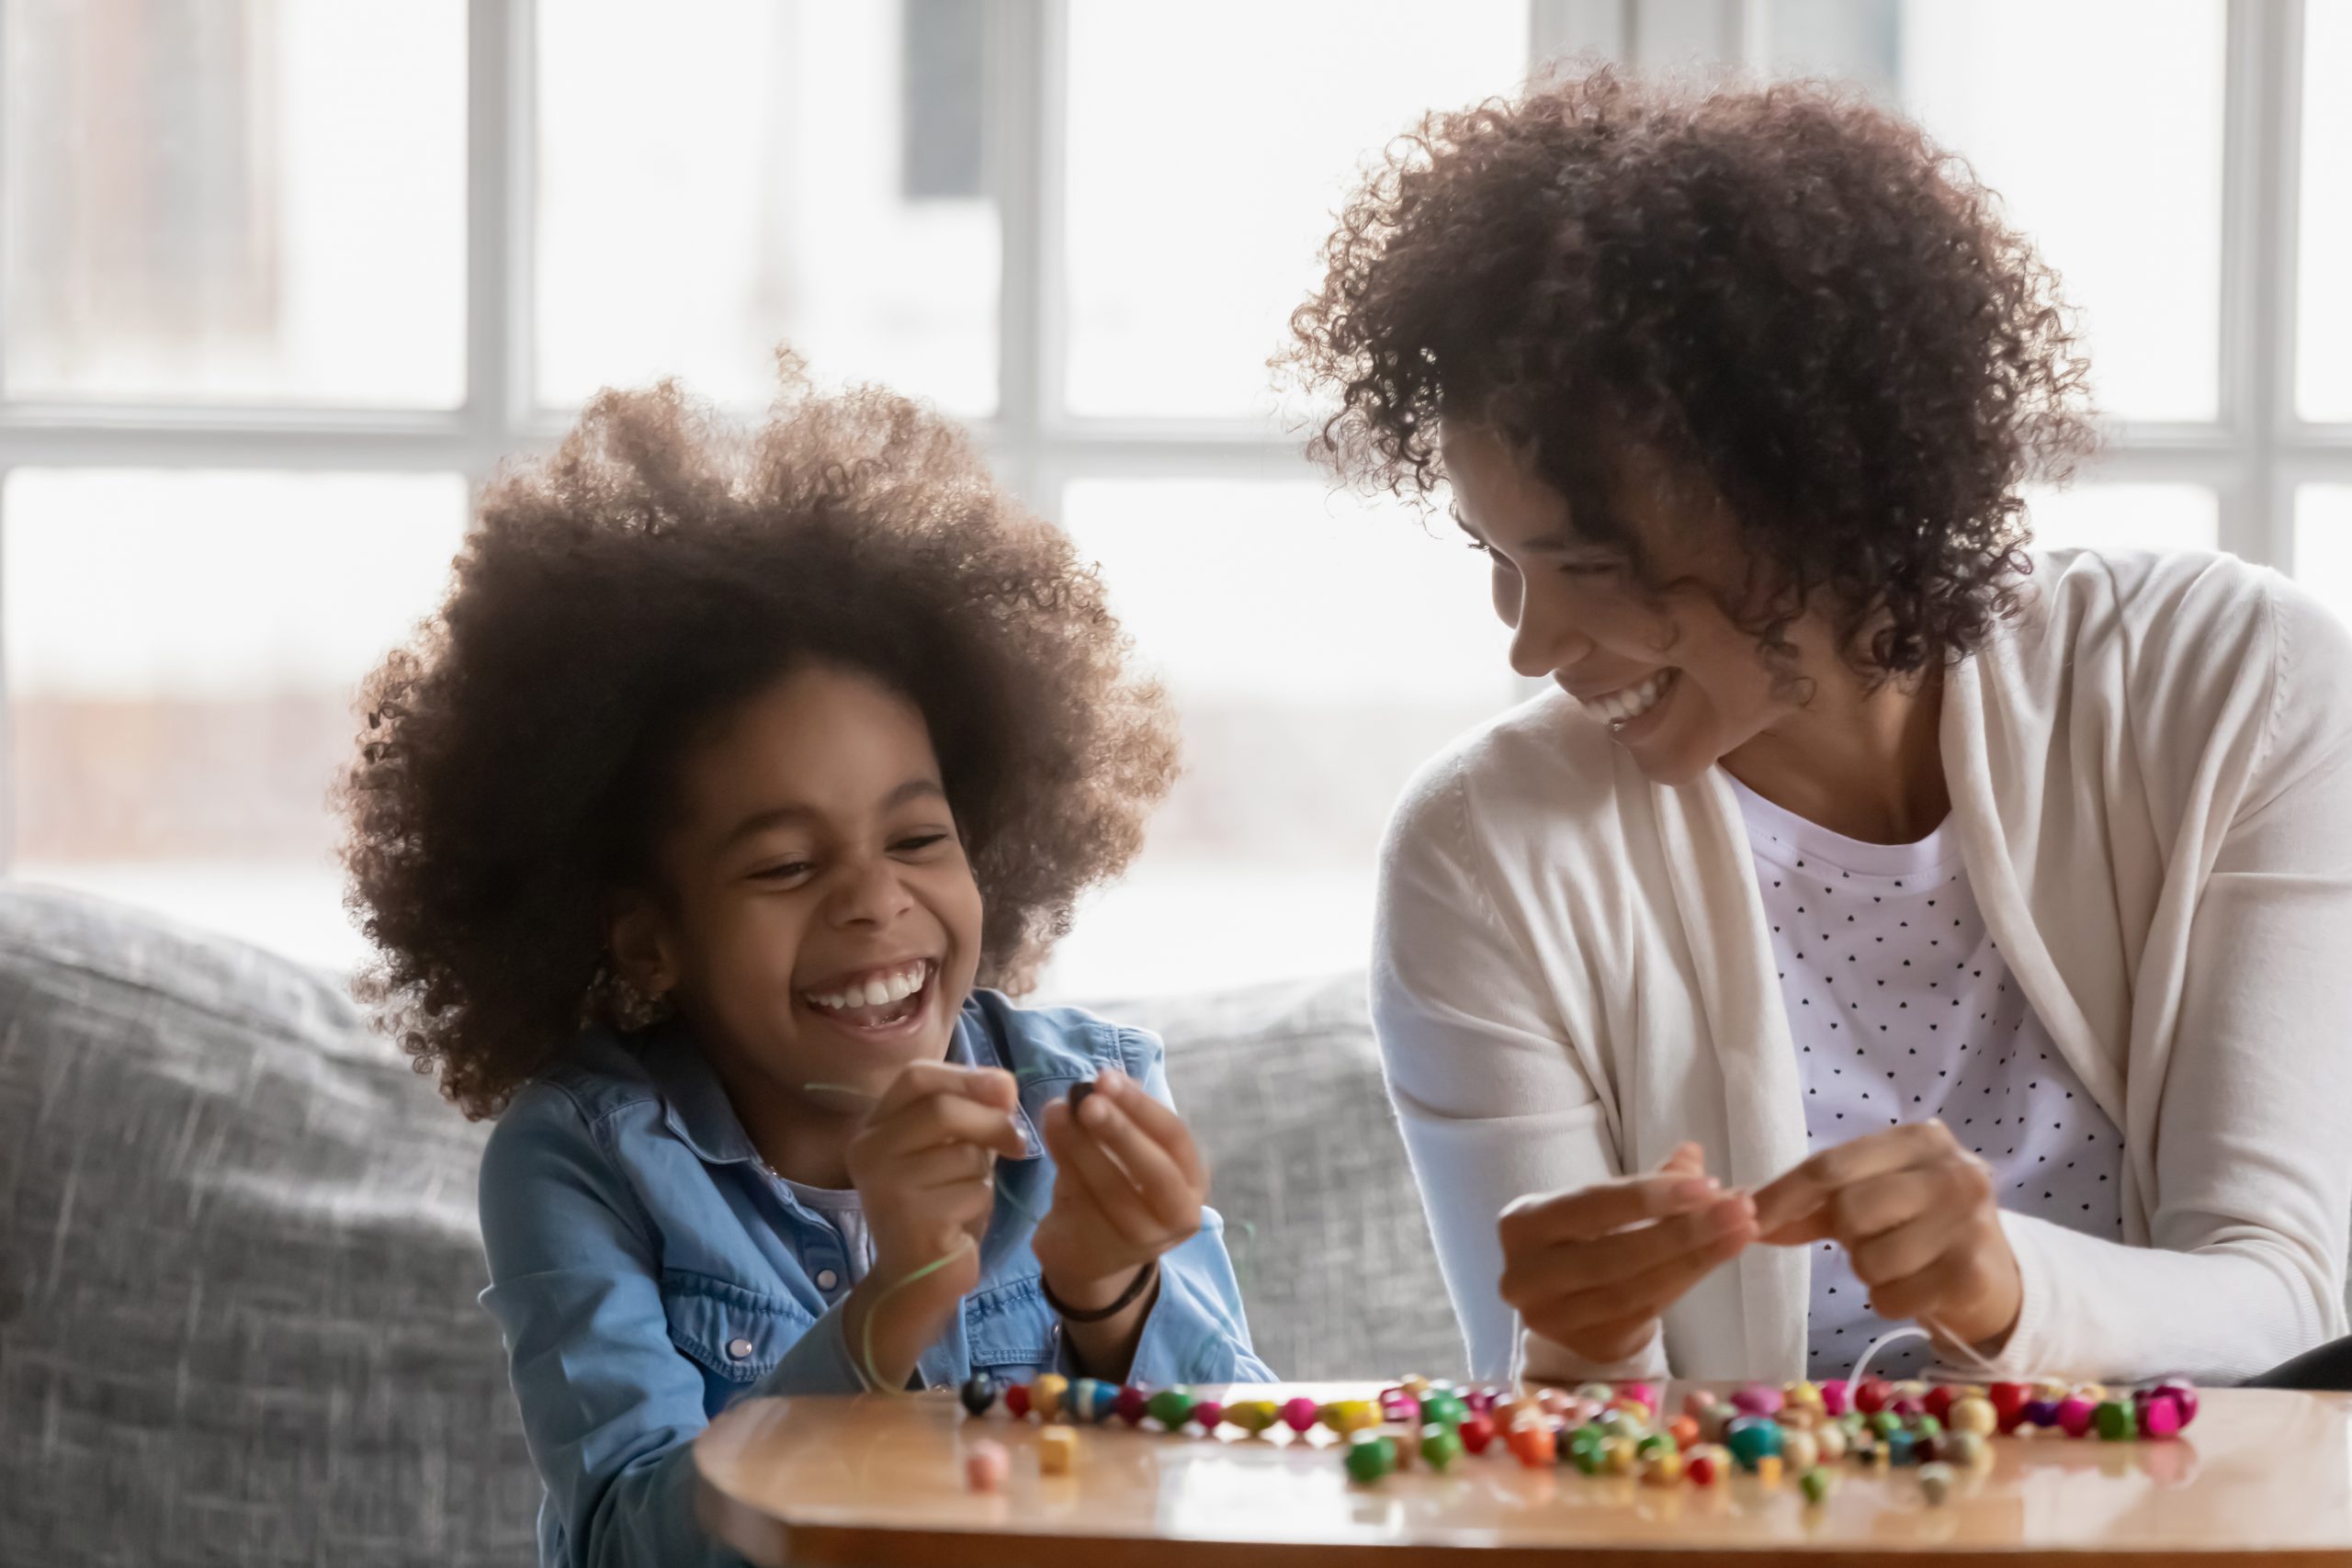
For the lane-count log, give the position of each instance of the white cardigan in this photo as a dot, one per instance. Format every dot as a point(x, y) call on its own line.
point(2148, 771)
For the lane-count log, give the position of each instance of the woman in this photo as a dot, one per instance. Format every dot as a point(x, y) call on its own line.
point(1880, 922)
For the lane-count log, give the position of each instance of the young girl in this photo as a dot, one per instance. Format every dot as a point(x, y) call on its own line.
point(690, 829)
point(1979, 919)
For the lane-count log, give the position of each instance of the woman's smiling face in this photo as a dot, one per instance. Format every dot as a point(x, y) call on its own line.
point(1679, 685)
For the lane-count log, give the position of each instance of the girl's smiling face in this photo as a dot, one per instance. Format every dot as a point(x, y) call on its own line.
point(1681, 687)
point(817, 922)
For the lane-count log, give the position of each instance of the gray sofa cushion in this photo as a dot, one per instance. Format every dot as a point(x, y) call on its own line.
point(239, 1262)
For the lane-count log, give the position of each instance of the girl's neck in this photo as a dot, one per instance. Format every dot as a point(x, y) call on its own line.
point(802, 1137)
point(1865, 762)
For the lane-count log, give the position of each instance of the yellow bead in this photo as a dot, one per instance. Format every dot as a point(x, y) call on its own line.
point(1254, 1416)
point(1803, 1396)
point(1830, 1438)
point(1415, 1385)
point(1767, 1470)
point(1056, 1450)
point(1800, 1451)
point(1666, 1470)
point(1347, 1416)
point(1046, 1395)
point(1623, 1455)
point(1973, 1414)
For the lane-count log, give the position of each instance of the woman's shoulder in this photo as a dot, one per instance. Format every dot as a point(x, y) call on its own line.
point(1534, 773)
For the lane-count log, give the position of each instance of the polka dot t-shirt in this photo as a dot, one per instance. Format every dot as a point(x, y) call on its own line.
point(1902, 1009)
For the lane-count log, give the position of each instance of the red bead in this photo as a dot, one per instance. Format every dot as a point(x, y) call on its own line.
point(1131, 1405)
point(1016, 1400)
point(1874, 1396)
point(1301, 1413)
point(1938, 1400)
point(1700, 1470)
point(1476, 1433)
point(1534, 1445)
point(1208, 1414)
point(1909, 1409)
point(2009, 1400)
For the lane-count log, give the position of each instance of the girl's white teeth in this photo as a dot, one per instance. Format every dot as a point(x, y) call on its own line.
point(878, 992)
point(1622, 707)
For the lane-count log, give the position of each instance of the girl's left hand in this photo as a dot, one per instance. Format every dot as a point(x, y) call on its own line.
point(1915, 1212)
point(1128, 1186)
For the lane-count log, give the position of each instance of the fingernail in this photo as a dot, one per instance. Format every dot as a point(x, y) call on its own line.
point(1094, 1112)
point(1693, 1191)
point(1111, 1079)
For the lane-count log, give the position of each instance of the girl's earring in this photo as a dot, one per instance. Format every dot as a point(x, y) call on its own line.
point(633, 1009)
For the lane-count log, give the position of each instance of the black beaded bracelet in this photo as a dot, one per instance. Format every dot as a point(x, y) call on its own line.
point(1144, 1277)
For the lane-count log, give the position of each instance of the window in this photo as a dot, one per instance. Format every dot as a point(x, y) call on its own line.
point(283, 279)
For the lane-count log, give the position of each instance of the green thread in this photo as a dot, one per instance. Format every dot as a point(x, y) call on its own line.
point(875, 1382)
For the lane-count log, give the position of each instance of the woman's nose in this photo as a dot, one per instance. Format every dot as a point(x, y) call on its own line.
point(1541, 647)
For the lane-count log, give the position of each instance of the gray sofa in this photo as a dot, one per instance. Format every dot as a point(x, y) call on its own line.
point(238, 1257)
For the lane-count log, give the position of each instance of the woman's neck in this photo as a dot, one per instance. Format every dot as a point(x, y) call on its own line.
point(1865, 762)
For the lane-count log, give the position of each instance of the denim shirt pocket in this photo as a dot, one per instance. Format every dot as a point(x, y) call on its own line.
point(1008, 1329)
point(735, 1335)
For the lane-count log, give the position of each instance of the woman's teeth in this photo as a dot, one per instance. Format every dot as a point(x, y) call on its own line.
point(876, 991)
point(1620, 709)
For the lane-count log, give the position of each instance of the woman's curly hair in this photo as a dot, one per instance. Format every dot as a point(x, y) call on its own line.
point(1784, 289)
point(618, 597)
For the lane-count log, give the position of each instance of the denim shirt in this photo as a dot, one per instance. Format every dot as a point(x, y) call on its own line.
point(646, 1271)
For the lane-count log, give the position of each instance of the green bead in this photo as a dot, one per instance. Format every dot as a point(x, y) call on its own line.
point(1588, 1451)
point(1752, 1437)
point(1654, 1445)
point(1614, 1420)
point(1440, 1445)
point(1817, 1482)
point(2115, 1421)
point(1171, 1407)
point(1444, 1407)
point(1886, 1422)
point(1369, 1457)
point(1926, 1426)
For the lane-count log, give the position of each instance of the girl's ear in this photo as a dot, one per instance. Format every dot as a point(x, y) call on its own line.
point(638, 937)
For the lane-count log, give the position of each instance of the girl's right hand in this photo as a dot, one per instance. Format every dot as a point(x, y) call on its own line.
point(1592, 1270)
point(924, 1167)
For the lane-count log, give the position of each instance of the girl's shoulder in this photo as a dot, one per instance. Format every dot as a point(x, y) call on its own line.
point(1051, 1044)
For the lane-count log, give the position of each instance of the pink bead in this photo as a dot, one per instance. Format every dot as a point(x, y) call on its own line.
point(1403, 1411)
point(2074, 1416)
point(1909, 1409)
point(1758, 1399)
point(1299, 1414)
point(1645, 1392)
point(1832, 1396)
point(986, 1465)
point(1698, 1402)
point(2183, 1395)
point(2160, 1417)
point(1131, 1405)
point(1208, 1414)
point(1480, 1401)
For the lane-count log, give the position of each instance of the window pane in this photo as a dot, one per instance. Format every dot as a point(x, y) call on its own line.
point(1207, 149)
point(236, 201)
point(1318, 649)
point(2126, 516)
point(181, 653)
point(2324, 544)
point(2323, 355)
point(2103, 136)
point(742, 172)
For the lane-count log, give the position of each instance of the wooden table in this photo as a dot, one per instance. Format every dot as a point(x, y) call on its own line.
point(880, 1480)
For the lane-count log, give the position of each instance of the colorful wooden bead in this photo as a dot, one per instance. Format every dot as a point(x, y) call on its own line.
point(1665, 1470)
point(2008, 1400)
point(1481, 1401)
point(2038, 1412)
point(1829, 1438)
point(1208, 1416)
point(1586, 1449)
point(1939, 1399)
point(1056, 1450)
point(1835, 1397)
point(1901, 1449)
point(1800, 1450)
point(1016, 1401)
point(1752, 1437)
point(1622, 1459)
point(1644, 1394)
point(1299, 1414)
point(1698, 1402)
point(2074, 1416)
point(2115, 1421)
point(1371, 1457)
point(1171, 1407)
point(1684, 1431)
point(1088, 1401)
point(1131, 1405)
point(1703, 1467)
point(1254, 1415)
point(1767, 1470)
point(1816, 1483)
point(1935, 1484)
point(1874, 1395)
point(1532, 1445)
point(1973, 1414)
point(2160, 1417)
point(1444, 1406)
point(1046, 1393)
point(978, 1393)
point(1478, 1432)
point(986, 1465)
point(1803, 1395)
point(1349, 1415)
point(1597, 1392)
point(1416, 1385)
point(1714, 1421)
point(1758, 1399)
point(1440, 1445)
point(2183, 1397)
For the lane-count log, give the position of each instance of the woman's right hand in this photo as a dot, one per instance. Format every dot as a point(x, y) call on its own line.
point(1592, 1270)
point(924, 1167)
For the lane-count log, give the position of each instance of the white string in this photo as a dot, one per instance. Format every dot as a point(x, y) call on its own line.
point(1932, 1331)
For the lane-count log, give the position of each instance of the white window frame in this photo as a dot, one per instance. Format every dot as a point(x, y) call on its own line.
point(2254, 454)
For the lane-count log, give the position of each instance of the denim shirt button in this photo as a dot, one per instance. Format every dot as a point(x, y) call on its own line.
point(827, 1279)
point(739, 1350)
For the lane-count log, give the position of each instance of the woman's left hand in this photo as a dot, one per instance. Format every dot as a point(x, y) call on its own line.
point(1915, 1212)
point(1128, 1186)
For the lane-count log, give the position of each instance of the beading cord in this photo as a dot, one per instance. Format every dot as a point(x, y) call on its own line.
point(1925, 1328)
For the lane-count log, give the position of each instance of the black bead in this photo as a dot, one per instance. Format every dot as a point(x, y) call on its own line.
point(978, 1392)
point(1077, 1093)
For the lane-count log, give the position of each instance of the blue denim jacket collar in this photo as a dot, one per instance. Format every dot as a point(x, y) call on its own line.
point(695, 1106)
